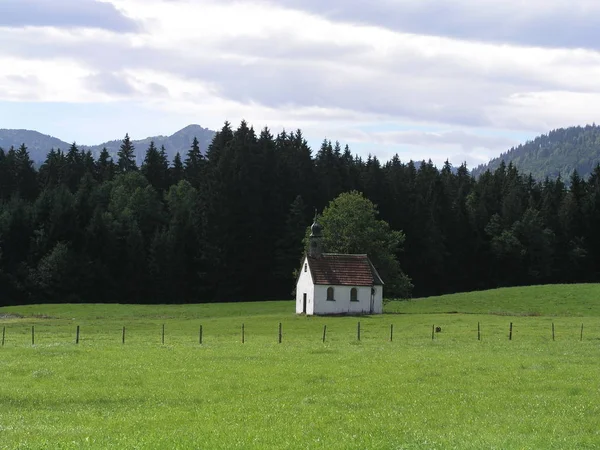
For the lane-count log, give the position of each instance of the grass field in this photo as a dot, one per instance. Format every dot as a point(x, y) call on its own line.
point(414, 392)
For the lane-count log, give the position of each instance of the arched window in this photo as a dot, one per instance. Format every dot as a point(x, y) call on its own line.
point(305, 266)
point(330, 293)
point(353, 295)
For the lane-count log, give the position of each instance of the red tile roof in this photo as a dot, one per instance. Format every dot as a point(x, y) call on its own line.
point(343, 270)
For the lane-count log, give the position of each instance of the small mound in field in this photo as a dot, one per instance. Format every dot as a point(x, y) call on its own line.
point(11, 316)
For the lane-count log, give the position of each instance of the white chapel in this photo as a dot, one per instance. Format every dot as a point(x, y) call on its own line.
point(333, 283)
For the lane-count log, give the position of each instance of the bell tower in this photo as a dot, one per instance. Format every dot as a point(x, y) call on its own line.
point(315, 239)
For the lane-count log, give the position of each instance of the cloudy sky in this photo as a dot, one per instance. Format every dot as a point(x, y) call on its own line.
point(457, 79)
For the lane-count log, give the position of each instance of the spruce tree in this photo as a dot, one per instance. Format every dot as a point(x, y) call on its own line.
point(105, 167)
point(155, 168)
point(194, 164)
point(126, 154)
point(89, 164)
point(219, 143)
point(52, 169)
point(25, 174)
point(74, 167)
point(5, 176)
point(177, 171)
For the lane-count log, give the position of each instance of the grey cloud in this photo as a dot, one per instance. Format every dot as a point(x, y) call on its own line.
point(157, 90)
point(114, 83)
point(341, 84)
point(110, 83)
point(328, 83)
point(28, 87)
point(531, 23)
point(64, 14)
point(28, 80)
point(287, 46)
point(339, 77)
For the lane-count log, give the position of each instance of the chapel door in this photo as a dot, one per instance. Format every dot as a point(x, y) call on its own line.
point(304, 303)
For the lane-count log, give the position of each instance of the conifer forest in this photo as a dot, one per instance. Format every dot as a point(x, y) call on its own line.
point(229, 225)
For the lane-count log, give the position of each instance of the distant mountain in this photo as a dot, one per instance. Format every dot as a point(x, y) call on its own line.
point(180, 142)
point(560, 152)
point(40, 144)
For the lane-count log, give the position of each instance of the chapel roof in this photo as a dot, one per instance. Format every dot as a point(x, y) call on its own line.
point(343, 270)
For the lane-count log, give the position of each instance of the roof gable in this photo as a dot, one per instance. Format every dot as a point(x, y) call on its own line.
point(343, 270)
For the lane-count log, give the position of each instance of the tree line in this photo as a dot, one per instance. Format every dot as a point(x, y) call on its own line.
point(229, 225)
point(559, 152)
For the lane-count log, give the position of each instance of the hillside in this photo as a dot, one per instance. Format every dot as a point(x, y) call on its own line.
point(559, 152)
point(37, 143)
point(558, 300)
point(40, 144)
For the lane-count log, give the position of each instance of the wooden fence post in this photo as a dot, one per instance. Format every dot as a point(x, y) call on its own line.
point(432, 331)
point(510, 332)
point(123, 339)
point(243, 334)
point(391, 332)
point(552, 330)
point(280, 332)
point(77, 335)
point(581, 338)
point(324, 332)
point(163, 334)
point(478, 332)
point(3, 335)
point(32, 335)
point(200, 335)
point(358, 331)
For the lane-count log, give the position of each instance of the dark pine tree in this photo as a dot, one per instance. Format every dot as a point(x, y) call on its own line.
point(156, 168)
point(126, 154)
point(25, 174)
point(52, 170)
point(176, 171)
point(194, 165)
point(105, 167)
point(74, 167)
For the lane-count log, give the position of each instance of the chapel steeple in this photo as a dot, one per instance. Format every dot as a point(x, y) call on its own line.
point(315, 239)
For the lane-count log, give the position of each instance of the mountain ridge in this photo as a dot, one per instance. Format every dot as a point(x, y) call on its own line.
point(39, 144)
point(557, 153)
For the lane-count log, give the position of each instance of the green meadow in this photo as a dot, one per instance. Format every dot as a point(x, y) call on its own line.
point(411, 392)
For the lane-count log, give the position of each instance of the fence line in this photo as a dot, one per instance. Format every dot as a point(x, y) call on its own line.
point(435, 331)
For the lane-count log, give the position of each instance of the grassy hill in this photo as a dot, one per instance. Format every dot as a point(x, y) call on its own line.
point(559, 152)
point(560, 300)
point(453, 391)
point(579, 300)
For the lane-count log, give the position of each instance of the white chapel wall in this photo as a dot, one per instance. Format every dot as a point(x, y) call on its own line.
point(342, 303)
point(305, 286)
